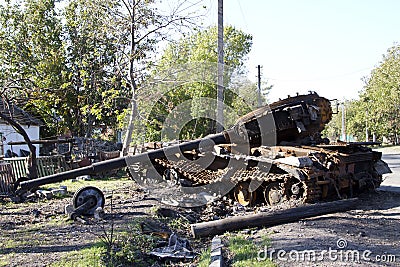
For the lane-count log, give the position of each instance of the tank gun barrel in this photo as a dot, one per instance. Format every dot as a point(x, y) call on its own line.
point(205, 143)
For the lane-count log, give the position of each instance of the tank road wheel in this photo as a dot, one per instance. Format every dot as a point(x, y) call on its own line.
point(90, 196)
point(274, 193)
point(295, 189)
point(243, 195)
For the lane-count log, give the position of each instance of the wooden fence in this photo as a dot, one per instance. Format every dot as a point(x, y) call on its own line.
point(7, 179)
point(47, 165)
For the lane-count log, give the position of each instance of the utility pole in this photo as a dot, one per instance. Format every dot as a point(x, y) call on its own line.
point(220, 85)
point(259, 102)
point(366, 126)
point(344, 137)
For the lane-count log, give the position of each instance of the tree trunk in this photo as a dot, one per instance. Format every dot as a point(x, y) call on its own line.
point(129, 130)
point(270, 218)
point(32, 162)
point(133, 85)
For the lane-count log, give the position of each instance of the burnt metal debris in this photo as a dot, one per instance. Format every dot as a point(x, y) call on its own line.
point(272, 154)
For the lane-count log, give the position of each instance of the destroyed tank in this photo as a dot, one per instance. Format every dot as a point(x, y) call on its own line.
point(302, 165)
point(272, 154)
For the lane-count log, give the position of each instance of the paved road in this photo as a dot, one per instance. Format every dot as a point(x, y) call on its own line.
point(392, 181)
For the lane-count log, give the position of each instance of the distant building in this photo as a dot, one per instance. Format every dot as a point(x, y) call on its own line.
point(7, 133)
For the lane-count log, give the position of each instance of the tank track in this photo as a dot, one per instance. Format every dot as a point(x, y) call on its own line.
point(192, 171)
point(199, 176)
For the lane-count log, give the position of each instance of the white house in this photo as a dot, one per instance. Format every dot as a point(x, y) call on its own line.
point(7, 133)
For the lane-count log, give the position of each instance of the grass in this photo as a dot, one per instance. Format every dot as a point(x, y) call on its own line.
point(27, 236)
point(106, 184)
point(179, 224)
point(205, 258)
point(129, 247)
point(58, 221)
point(245, 251)
point(115, 248)
point(85, 257)
point(3, 261)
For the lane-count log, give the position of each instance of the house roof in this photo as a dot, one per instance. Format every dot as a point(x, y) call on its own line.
point(18, 114)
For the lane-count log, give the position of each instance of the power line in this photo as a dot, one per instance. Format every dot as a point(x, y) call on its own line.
point(244, 18)
point(320, 79)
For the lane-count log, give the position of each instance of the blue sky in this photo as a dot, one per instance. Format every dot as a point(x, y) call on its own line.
point(322, 45)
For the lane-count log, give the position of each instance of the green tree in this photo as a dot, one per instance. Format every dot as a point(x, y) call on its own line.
point(31, 55)
point(81, 72)
point(354, 121)
point(198, 54)
point(92, 85)
point(379, 103)
point(31, 62)
point(377, 111)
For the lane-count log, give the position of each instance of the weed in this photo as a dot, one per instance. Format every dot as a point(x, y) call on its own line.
point(205, 258)
point(108, 239)
point(132, 250)
point(180, 223)
point(245, 252)
point(128, 248)
point(154, 209)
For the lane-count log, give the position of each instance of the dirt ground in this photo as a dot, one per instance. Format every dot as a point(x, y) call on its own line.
point(372, 227)
point(39, 234)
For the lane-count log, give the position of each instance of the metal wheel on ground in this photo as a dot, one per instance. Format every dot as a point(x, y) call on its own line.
point(89, 193)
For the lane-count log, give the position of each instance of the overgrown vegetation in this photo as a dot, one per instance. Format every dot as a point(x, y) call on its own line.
point(3, 261)
point(115, 247)
point(88, 68)
point(130, 248)
point(204, 258)
point(245, 251)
